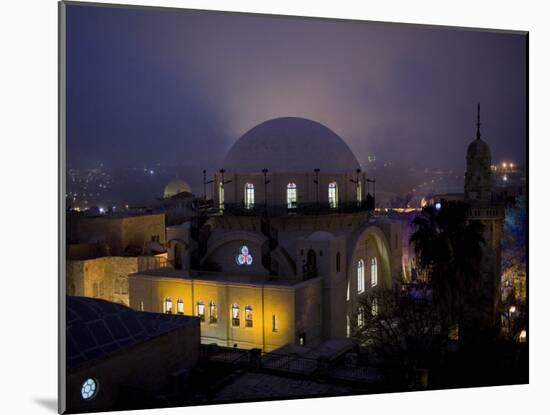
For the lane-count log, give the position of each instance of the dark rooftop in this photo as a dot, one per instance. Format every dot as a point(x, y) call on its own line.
point(98, 328)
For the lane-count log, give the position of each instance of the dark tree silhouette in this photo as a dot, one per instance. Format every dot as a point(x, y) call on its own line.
point(449, 249)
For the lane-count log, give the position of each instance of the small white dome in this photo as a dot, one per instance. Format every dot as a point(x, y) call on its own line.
point(175, 187)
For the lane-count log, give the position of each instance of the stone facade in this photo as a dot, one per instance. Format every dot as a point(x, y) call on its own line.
point(104, 278)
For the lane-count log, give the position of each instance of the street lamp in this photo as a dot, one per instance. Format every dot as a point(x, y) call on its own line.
point(357, 188)
point(316, 181)
point(204, 183)
point(266, 182)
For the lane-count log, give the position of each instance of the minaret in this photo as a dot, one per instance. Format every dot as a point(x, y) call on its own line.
point(483, 209)
point(478, 180)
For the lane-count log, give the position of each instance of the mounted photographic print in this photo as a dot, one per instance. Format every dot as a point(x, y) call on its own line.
point(260, 207)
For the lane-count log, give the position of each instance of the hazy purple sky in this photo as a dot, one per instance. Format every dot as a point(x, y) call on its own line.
point(176, 86)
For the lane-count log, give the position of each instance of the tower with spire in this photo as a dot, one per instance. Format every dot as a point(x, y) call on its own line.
point(485, 209)
point(478, 180)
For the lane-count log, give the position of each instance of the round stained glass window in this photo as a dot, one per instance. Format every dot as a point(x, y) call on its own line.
point(244, 258)
point(89, 389)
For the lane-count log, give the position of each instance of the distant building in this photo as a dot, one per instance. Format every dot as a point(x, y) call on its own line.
point(114, 234)
point(118, 358)
point(288, 251)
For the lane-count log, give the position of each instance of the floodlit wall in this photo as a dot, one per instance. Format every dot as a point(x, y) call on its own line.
point(294, 308)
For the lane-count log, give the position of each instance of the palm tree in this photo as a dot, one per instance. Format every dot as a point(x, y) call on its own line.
point(449, 249)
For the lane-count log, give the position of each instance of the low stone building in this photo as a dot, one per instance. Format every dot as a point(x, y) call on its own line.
point(118, 358)
point(118, 234)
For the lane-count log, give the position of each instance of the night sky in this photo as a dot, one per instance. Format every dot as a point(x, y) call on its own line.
point(179, 87)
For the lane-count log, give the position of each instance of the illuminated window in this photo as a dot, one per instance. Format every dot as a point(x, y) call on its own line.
point(213, 313)
point(374, 271)
point(141, 307)
point(274, 323)
point(248, 316)
point(235, 315)
point(200, 310)
point(348, 327)
point(374, 307)
point(245, 257)
point(291, 195)
point(347, 292)
point(89, 389)
point(221, 195)
point(360, 276)
point(333, 195)
point(179, 306)
point(338, 262)
point(359, 192)
point(168, 305)
point(248, 195)
point(360, 317)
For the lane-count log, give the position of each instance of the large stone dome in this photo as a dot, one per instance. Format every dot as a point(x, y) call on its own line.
point(290, 145)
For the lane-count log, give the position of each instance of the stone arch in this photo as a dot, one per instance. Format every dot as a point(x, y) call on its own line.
point(372, 237)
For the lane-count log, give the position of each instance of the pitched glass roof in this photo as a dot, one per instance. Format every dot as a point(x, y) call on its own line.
point(98, 328)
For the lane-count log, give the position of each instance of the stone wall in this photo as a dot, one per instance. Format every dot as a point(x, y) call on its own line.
point(105, 278)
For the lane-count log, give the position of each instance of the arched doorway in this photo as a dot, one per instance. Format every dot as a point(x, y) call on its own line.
point(310, 266)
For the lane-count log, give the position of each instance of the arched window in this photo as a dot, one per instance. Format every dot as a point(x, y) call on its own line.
point(337, 261)
point(200, 310)
point(235, 315)
point(360, 276)
point(374, 307)
point(180, 306)
point(373, 272)
point(333, 195)
point(360, 317)
point(168, 305)
point(291, 195)
point(248, 195)
point(359, 192)
point(348, 326)
point(347, 292)
point(248, 316)
point(213, 312)
point(221, 196)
